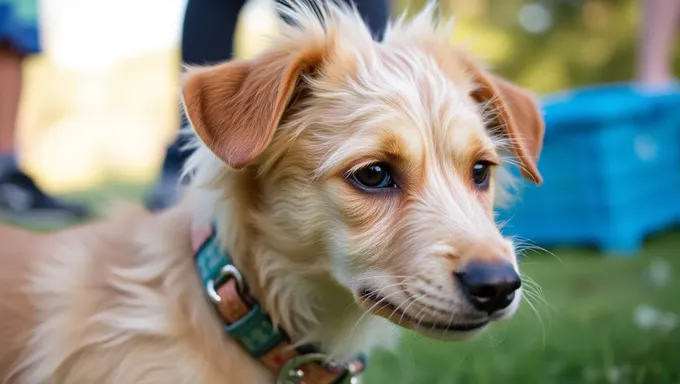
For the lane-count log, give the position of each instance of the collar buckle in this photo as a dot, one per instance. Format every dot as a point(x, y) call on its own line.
point(226, 273)
point(245, 321)
point(291, 372)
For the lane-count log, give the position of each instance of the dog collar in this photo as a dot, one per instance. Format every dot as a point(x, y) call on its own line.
point(245, 321)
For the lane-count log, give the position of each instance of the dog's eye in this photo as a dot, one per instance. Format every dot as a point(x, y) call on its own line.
point(480, 174)
point(374, 176)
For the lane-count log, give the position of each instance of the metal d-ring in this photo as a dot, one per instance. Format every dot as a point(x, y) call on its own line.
point(292, 374)
point(227, 272)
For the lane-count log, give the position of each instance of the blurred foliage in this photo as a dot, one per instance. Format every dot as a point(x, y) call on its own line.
point(75, 125)
point(584, 41)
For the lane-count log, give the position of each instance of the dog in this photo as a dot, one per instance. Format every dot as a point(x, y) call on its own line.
point(339, 186)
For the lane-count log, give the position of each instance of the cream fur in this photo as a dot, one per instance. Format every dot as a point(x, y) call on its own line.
point(120, 301)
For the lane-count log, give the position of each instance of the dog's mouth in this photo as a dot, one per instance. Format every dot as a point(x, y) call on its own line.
point(380, 306)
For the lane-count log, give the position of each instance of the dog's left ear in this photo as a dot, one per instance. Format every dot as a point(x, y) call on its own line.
point(519, 115)
point(236, 107)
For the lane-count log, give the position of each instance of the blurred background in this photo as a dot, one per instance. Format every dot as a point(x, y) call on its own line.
point(100, 105)
point(101, 102)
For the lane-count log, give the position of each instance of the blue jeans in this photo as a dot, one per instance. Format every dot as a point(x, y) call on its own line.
point(19, 25)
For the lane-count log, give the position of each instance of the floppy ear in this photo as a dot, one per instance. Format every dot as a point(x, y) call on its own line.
point(519, 115)
point(236, 107)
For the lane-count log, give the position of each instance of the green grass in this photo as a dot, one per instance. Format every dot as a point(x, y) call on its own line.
point(97, 198)
point(584, 332)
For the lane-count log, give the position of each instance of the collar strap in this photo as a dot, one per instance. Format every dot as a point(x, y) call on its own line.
point(245, 321)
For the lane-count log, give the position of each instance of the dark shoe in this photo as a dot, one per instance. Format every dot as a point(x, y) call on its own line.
point(22, 199)
point(164, 193)
point(166, 190)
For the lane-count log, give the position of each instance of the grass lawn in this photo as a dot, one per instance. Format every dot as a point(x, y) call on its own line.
point(604, 320)
point(600, 320)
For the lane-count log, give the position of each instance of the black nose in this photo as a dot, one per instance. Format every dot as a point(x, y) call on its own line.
point(489, 287)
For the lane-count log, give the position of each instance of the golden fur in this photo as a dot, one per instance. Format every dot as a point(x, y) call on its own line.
point(120, 300)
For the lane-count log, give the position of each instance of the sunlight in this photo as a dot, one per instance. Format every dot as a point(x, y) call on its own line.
point(101, 102)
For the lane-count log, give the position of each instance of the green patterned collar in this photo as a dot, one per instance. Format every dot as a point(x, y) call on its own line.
point(246, 321)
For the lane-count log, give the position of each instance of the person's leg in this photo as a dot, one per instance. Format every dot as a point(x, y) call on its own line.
point(10, 90)
point(655, 44)
point(20, 197)
point(376, 13)
point(207, 38)
point(208, 31)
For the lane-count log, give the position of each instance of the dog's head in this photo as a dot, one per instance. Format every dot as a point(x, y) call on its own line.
point(375, 165)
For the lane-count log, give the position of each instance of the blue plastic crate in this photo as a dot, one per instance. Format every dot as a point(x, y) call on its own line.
point(611, 168)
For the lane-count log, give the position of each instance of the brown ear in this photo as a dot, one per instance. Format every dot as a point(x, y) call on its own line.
point(236, 107)
point(519, 115)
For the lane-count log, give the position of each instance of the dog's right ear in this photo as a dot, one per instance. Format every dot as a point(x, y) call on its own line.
point(517, 113)
point(236, 107)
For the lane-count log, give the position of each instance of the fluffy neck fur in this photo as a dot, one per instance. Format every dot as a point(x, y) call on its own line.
point(288, 269)
point(290, 273)
point(297, 292)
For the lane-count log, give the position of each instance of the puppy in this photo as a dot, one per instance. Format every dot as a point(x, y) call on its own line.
point(347, 184)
